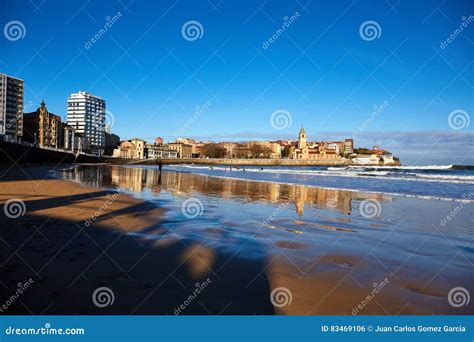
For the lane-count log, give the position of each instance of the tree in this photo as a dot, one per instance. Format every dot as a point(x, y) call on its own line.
point(213, 150)
point(267, 152)
point(258, 151)
point(362, 150)
point(286, 151)
point(241, 151)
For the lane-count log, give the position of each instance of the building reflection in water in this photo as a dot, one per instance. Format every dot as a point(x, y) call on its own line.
point(138, 179)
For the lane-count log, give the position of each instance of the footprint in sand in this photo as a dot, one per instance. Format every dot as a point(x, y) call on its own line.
point(290, 244)
point(342, 260)
point(424, 290)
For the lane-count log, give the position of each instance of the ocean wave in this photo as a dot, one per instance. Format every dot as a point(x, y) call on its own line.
point(384, 193)
point(406, 167)
point(354, 172)
point(449, 177)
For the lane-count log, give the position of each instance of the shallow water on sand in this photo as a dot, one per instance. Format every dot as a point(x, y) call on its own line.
point(429, 182)
point(423, 246)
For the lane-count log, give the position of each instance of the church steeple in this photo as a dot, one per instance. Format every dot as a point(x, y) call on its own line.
point(302, 131)
point(302, 138)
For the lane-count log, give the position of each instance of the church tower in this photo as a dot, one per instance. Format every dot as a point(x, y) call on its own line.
point(302, 138)
point(43, 118)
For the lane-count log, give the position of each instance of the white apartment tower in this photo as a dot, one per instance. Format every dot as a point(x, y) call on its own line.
point(11, 107)
point(86, 114)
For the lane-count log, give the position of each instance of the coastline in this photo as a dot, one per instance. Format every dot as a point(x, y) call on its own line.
point(133, 248)
point(428, 198)
point(28, 153)
point(228, 175)
point(243, 162)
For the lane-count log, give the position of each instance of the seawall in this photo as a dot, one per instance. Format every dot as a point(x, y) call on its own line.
point(11, 153)
point(245, 162)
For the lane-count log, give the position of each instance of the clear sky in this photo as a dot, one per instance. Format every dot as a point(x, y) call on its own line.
point(321, 69)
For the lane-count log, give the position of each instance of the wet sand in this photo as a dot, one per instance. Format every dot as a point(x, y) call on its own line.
point(315, 257)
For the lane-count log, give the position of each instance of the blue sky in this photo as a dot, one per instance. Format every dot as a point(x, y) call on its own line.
point(319, 70)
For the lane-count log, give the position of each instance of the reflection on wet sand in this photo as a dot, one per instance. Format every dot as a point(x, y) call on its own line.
point(251, 239)
point(186, 184)
point(313, 241)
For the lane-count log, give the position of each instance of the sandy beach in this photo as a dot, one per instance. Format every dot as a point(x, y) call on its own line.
point(123, 228)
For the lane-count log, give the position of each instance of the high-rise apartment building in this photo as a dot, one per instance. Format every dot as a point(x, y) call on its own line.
point(11, 107)
point(86, 114)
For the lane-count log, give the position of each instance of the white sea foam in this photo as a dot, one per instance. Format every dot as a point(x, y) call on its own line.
point(450, 177)
point(348, 173)
point(356, 172)
point(384, 193)
point(407, 167)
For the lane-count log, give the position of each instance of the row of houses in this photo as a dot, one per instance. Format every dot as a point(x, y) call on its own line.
point(140, 149)
point(320, 150)
point(189, 148)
